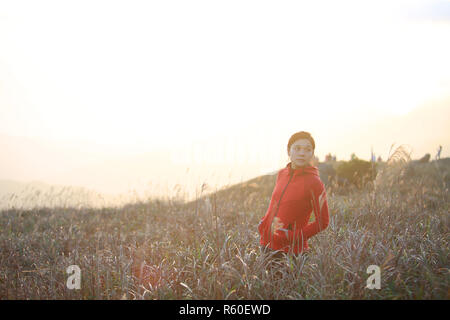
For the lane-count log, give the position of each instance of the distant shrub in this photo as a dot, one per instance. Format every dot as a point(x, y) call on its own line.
point(356, 171)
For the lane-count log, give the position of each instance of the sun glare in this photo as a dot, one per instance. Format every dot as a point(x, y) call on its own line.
point(146, 75)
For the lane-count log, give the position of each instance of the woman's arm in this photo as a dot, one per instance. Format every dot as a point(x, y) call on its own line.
point(320, 208)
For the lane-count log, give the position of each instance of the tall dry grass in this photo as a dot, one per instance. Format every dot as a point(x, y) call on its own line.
point(208, 249)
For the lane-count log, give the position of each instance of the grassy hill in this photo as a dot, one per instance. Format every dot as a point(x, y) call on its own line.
point(208, 249)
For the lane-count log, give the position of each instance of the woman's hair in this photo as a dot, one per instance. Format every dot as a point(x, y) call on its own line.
point(301, 135)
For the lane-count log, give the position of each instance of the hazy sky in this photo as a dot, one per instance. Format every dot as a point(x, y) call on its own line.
point(225, 77)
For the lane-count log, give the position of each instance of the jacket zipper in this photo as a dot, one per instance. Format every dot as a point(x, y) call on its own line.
point(278, 207)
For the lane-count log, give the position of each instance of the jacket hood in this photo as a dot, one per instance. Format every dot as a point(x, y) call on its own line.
point(302, 170)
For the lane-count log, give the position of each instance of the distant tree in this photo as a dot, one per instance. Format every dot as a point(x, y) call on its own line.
point(328, 157)
point(327, 173)
point(356, 171)
point(425, 158)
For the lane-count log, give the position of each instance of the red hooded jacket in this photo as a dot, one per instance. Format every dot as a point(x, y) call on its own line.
point(297, 194)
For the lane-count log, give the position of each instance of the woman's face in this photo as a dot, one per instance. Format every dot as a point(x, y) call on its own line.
point(301, 152)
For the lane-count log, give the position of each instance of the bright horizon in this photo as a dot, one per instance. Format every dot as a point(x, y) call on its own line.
point(99, 85)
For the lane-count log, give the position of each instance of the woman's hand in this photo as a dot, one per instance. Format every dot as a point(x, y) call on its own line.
point(276, 224)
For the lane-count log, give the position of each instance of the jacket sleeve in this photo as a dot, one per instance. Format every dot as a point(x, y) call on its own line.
point(260, 225)
point(320, 208)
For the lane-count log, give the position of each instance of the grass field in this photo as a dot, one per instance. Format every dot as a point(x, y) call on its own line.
point(209, 248)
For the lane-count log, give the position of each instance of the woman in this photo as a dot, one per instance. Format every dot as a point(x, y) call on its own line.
point(297, 194)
